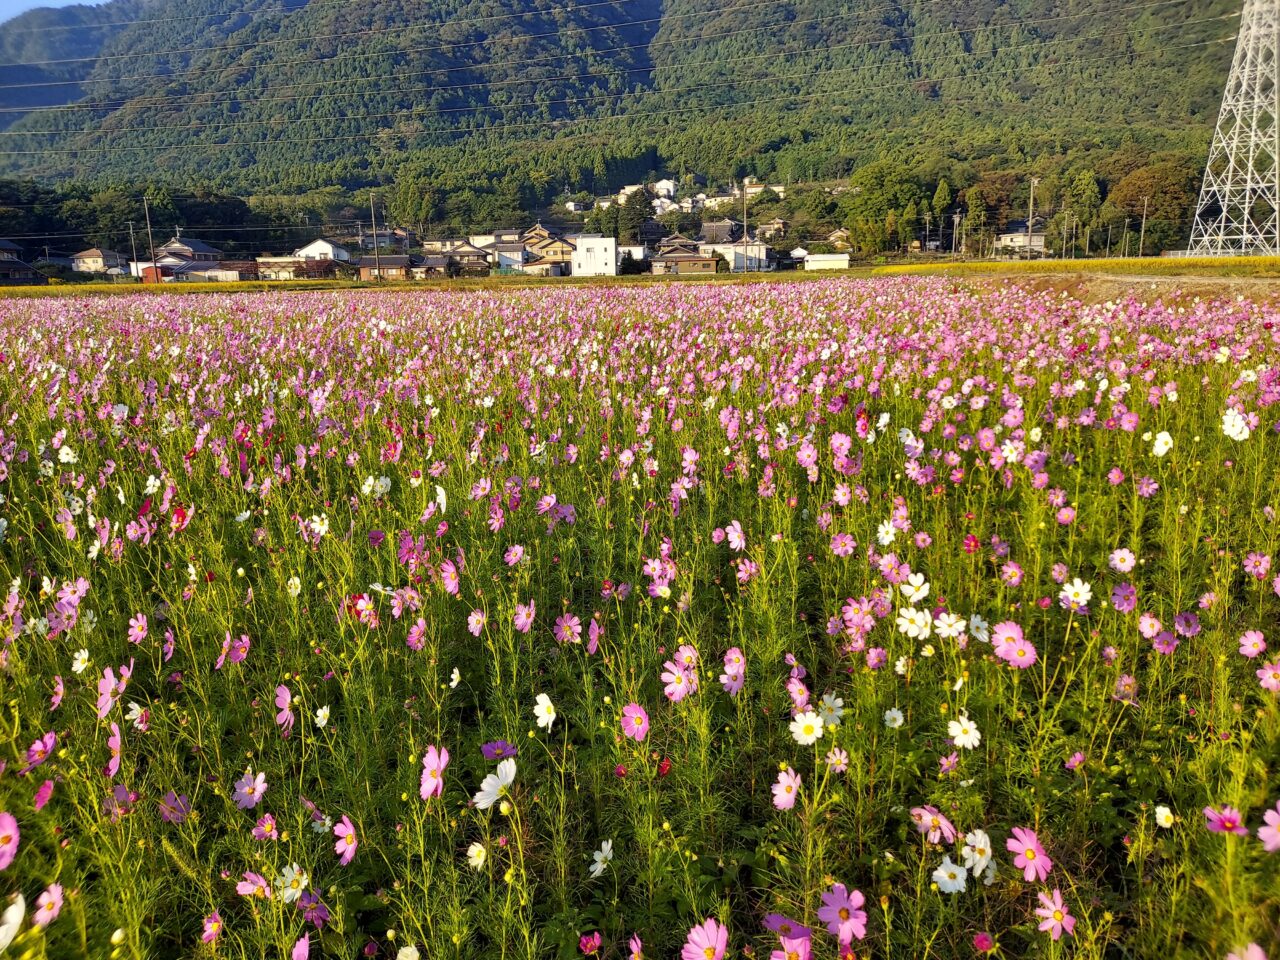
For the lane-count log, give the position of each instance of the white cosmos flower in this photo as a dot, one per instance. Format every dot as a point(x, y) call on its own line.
point(80, 662)
point(1164, 816)
point(476, 856)
point(917, 624)
point(293, 586)
point(964, 732)
point(832, 709)
point(915, 589)
point(11, 920)
point(885, 533)
point(601, 858)
point(950, 877)
point(979, 628)
point(455, 678)
point(806, 728)
point(949, 626)
point(322, 716)
point(544, 711)
point(496, 784)
point(976, 851)
point(1077, 594)
point(893, 718)
point(1163, 444)
point(291, 882)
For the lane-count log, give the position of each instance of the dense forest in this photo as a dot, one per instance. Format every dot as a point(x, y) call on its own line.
point(473, 113)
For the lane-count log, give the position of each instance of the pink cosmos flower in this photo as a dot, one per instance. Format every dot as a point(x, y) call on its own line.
point(301, 948)
point(212, 927)
point(284, 703)
point(1228, 820)
point(254, 885)
point(842, 912)
point(1054, 915)
point(737, 539)
point(9, 837)
point(523, 619)
point(1020, 653)
point(475, 622)
point(449, 578)
point(589, 943)
point(1269, 676)
point(1251, 952)
point(48, 906)
point(786, 790)
point(793, 948)
point(635, 722)
point(107, 692)
point(138, 628)
point(513, 555)
point(933, 824)
point(42, 795)
point(1252, 644)
point(1269, 833)
point(345, 848)
point(677, 681)
point(417, 635)
point(1030, 856)
point(113, 744)
point(39, 752)
point(706, 941)
point(567, 629)
point(265, 828)
point(249, 789)
point(433, 763)
point(55, 701)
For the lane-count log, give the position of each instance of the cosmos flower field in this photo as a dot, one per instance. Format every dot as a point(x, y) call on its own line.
point(831, 619)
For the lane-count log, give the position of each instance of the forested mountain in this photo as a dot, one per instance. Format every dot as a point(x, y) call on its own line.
point(297, 95)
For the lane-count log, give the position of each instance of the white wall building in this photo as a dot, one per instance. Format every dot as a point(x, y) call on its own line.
point(665, 188)
point(322, 250)
point(594, 255)
point(826, 261)
point(754, 253)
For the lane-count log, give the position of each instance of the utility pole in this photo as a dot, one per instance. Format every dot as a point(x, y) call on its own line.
point(1108, 241)
point(151, 241)
point(373, 223)
point(1031, 212)
point(1125, 243)
point(1066, 220)
point(955, 229)
point(1086, 240)
point(744, 224)
point(927, 219)
point(133, 244)
point(1143, 235)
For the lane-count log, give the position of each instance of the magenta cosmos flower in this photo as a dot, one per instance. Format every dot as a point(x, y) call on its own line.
point(433, 764)
point(250, 788)
point(1054, 916)
point(635, 722)
point(113, 744)
point(345, 848)
point(842, 912)
point(1251, 952)
point(568, 629)
point(1029, 857)
point(1228, 820)
point(786, 790)
point(284, 703)
point(523, 619)
point(212, 927)
point(254, 885)
point(706, 941)
point(793, 948)
point(48, 906)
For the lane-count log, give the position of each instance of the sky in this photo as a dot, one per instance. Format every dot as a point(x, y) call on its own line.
point(11, 8)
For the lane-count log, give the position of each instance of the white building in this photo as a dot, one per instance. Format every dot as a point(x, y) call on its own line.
point(594, 255)
point(826, 261)
point(322, 250)
point(665, 188)
point(753, 253)
point(1015, 240)
point(663, 205)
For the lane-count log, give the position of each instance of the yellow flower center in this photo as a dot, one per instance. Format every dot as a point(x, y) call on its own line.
point(1057, 915)
point(709, 953)
point(1030, 854)
point(350, 839)
point(844, 913)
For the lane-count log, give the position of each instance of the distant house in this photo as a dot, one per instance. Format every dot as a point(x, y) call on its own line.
point(13, 270)
point(433, 265)
point(799, 253)
point(722, 200)
point(826, 261)
point(628, 190)
point(753, 188)
point(594, 255)
point(665, 188)
point(575, 206)
point(680, 255)
point(839, 238)
point(501, 235)
point(188, 248)
point(1013, 240)
point(774, 228)
point(547, 247)
point(97, 260)
point(663, 205)
point(390, 267)
point(720, 231)
point(507, 256)
point(322, 250)
point(651, 233)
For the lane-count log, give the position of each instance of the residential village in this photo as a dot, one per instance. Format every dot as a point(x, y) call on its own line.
point(722, 244)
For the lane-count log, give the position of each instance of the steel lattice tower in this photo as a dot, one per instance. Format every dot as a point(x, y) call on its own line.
point(1239, 207)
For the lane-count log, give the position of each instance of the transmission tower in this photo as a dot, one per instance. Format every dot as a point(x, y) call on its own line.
point(1239, 207)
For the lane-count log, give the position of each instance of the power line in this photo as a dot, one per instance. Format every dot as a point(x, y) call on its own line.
point(161, 101)
point(221, 125)
point(560, 124)
point(332, 36)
